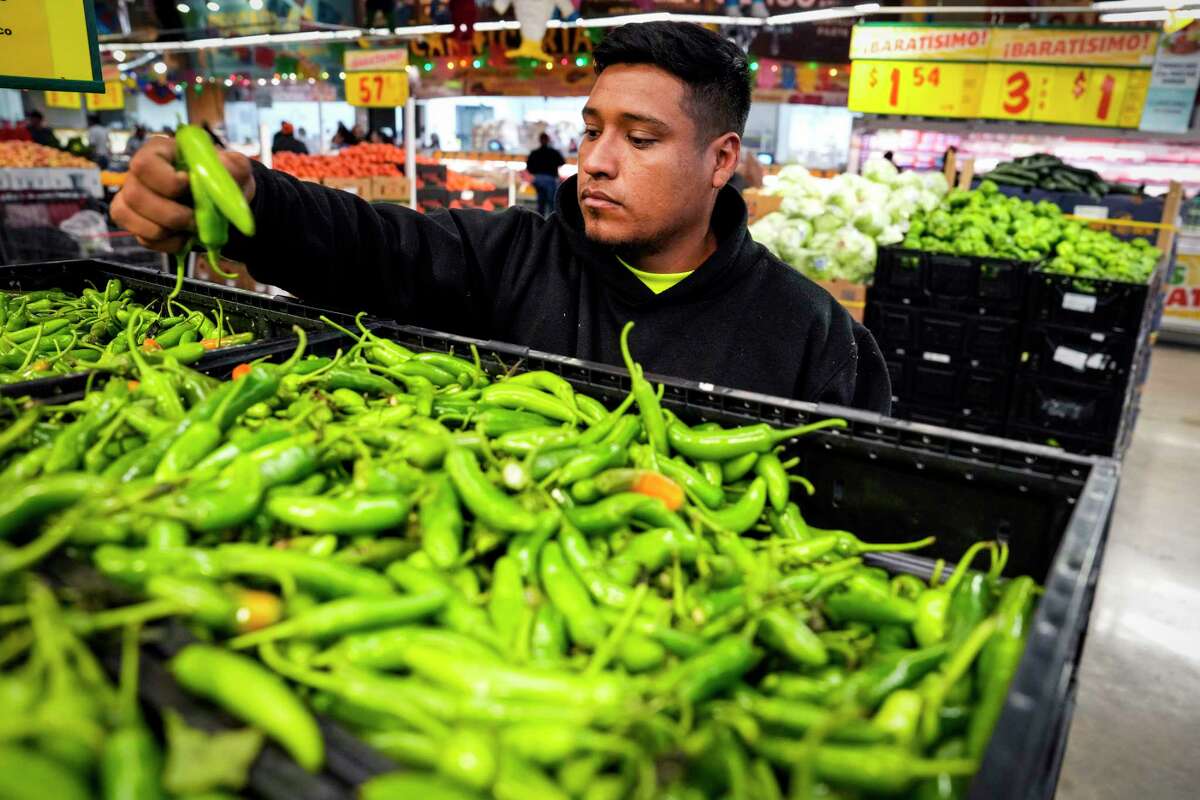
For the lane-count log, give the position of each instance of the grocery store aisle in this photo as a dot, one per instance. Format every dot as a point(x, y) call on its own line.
point(1136, 724)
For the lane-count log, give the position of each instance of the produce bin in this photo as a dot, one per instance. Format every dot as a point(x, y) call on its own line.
point(943, 337)
point(268, 318)
point(1078, 354)
point(971, 284)
point(885, 480)
point(1093, 304)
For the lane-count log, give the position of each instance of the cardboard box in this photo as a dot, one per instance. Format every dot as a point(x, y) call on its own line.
point(852, 296)
point(391, 187)
point(758, 205)
point(355, 186)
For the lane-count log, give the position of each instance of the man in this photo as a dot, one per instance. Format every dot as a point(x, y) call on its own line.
point(285, 141)
point(39, 131)
point(97, 139)
point(543, 164)
point(646, 232)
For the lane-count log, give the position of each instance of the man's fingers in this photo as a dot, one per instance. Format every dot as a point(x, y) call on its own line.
point(154, 166)
point(138, 225)
point(156, 208)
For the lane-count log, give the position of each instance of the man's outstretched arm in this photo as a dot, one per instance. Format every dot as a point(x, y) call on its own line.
point(329, 246)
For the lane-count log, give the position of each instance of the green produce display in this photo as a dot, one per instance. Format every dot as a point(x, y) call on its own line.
point(507, 587)
point(1048, 172)
point(53, 332)
point(829, 229)
point(984, 222)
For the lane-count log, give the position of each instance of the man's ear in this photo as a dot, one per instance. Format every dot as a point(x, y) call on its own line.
point(728, 149)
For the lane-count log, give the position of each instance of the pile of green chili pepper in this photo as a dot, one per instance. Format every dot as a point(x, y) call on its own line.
point(509, 588)
point(51, 332)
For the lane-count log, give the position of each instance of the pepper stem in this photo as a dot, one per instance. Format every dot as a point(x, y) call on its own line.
point(895, 547)
point(789, 433)
point(964, 564)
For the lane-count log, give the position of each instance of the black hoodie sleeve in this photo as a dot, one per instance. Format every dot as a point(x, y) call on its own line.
point(441, 270)
point(845, 366)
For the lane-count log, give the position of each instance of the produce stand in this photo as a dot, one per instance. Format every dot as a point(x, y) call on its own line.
point(1053, 509)
point(267, 318)
point(1001, 347)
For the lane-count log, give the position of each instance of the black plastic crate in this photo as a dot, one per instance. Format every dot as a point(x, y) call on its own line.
point(944, 336)
point(930, 415)
point(1067, 408)
point(977, 283)
point(969, 284)
point(268, 318)
point(1084, 445)
point(1088, 303)
point(1095, 357)
point(889, 479)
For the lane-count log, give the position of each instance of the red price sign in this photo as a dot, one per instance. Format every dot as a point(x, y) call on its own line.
point(377, 89)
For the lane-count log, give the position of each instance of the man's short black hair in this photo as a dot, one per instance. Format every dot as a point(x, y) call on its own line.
point(715, 69)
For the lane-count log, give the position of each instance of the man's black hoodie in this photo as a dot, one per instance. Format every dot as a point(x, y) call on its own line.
point(743, 319)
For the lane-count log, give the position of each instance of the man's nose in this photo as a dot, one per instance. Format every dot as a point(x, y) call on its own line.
point(599, 158)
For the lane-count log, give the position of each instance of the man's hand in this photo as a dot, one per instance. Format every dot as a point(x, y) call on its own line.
point(148, 204)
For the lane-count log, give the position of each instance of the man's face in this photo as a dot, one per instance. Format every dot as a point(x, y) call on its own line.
point(645, 175)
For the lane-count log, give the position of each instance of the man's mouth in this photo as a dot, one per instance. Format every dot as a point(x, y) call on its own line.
point(595, 199)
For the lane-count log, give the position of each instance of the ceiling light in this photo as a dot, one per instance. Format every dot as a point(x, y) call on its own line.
point(160, 67)
point(262, 81)
point(183, 8)
point(229, 81)
point(118, 55)
point(214, 7)
point(256, 5)
point(1151, 16)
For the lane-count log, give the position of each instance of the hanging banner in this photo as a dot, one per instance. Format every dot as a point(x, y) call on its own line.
point(49, 44)
point(919, 42)
point(1088, 46)
point(939, 71)
point(1172, 93)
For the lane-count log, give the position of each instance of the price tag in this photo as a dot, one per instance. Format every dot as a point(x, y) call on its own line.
point(112, 99)
point(1081, 96)
point(937, 358)
point(1072, 358)
point(1073, 301)
point(907, 87)
point(377, 89)
point(63, 99)
point(49, 44)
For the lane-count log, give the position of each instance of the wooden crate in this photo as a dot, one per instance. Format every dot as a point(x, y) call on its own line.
point(758, 205)
point(390, 187)
point(355, 186)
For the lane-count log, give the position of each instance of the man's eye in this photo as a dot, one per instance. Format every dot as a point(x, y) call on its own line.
point(591, 133)
point(638, 141)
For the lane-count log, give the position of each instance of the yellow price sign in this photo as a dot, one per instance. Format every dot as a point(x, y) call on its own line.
point(49, 44)
point(112, 99)
point(907, 87)
point(377, 89)
point(1097, 96)
point(63, 99)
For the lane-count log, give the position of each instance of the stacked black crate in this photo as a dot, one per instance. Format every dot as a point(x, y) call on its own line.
point(1085, 348)
point(950, 330)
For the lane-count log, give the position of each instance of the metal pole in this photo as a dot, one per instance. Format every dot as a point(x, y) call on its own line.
point(410, 149)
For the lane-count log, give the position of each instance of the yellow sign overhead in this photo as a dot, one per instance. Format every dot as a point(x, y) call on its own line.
point(941, 89)
point(1101, 96)
point(63, 99)
point(377, 89)
point(1118, 47)
point(919, 42)
point(49, 44)
point(1090, 46)
point(113, 98)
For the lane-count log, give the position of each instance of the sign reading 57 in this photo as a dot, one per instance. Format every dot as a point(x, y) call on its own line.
point(377, 89)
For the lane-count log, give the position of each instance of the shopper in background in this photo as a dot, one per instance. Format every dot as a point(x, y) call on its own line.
point(343, 137)
point(285, 141)
point(435, 142)
point(135, 140)
point(39, 131)
point(647, 232)
point(97, 139)
point(543, 164)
